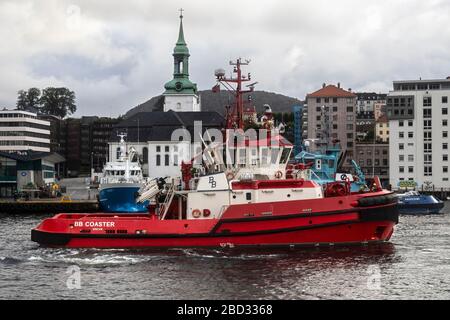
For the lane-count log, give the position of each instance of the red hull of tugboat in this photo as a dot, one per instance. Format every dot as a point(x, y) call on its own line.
point(341, 220)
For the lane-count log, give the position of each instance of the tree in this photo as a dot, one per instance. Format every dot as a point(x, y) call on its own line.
point(58, 102)
point(28, 100)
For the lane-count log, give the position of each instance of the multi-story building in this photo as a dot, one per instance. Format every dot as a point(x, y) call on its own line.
point(339, 106)
point(298, 128)
point(418, 113)
point(382, 129)
point(22, 131)
point(373, 159)
point(365, 126)
point(371, 102)
point(101, 133)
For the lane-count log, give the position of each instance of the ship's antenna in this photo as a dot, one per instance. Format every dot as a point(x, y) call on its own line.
point(235, 119)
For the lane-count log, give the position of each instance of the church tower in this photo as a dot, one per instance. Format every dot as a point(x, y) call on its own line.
point(181, 94)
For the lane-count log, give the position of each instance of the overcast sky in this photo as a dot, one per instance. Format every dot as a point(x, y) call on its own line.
point(117, 54)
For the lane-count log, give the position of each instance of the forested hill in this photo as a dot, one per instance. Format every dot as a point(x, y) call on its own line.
point(216, 102)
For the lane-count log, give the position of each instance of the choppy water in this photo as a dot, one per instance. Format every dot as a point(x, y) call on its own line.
point(415, 266)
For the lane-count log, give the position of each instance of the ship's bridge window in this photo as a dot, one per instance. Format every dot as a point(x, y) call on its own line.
point(264, 156)
point(285, 155)
point(274, 152)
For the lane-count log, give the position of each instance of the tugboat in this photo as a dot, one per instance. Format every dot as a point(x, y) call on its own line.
point(412, 202)
point(120, 183)
point(248, 203)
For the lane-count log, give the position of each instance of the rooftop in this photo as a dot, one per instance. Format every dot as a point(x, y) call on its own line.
point(331, 91)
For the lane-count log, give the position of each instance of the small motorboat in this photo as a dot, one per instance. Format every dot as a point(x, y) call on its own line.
point(412, 202)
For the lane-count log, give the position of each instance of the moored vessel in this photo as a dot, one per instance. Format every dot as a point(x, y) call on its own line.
point(120, 183)
point(412, 202)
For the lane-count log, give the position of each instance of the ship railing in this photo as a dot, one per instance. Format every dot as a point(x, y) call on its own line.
point(168, 200)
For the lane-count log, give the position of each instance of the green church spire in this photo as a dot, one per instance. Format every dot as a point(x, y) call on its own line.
point(180, 82)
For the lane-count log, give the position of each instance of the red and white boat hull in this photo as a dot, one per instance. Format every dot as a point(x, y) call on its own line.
point(297, 223)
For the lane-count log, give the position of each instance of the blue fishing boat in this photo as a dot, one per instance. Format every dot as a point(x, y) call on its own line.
point(412, 202)
point(120, 183)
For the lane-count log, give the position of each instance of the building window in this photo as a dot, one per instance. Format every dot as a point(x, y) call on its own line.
point(401, 146)
point(167, 149)
point(410, 123)
point(118, 153)
point(444, 123)
point(427, 157)
point(334, 109)
point(335, 100)
point(410, 169)
point(410, 157)
point(444, 99)
point(349, 144)
point(427, 147)
point(158, 148)
point(445, 169)
point(166, 160)
point(369, 162)
point(318, 100)
point(401, 158)
point(349, 109)
point(427, 101)
point(145, 155)
point(401, 135)
point(318, 118)
point(444, 134)
point(401, 169)
point(427, 124)
point(350, 127)
point(445, 146)
point(426, 113)
point(327, 100)
point(427, 136)
point(385, 162)
point(410, 134)
point(158, 160)
point(445, 157)
point(428, 171)
point(318, 109)
point(444, 111)
point(400, 123)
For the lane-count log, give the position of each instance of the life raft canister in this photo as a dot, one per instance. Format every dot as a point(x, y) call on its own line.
point(196, 213)
point(206, 213)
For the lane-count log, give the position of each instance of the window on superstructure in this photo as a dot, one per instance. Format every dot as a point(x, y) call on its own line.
point(444, 99)
point(158, 159)
point(285, 155)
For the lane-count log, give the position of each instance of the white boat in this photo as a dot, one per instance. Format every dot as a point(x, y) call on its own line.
point(121, 181)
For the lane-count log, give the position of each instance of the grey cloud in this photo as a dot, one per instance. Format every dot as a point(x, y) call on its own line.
point(120, 54)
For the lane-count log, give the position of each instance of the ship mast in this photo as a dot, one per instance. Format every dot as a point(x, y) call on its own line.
point(235, 119)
